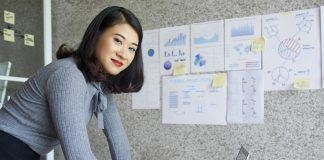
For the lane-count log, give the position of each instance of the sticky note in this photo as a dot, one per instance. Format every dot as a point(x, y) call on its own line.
point(302, 83)
point(219, 80)
point(29, 40)
point(258, 44)
point(9, 35)
point(289, 13)
point(179, 69)
point(9, 17)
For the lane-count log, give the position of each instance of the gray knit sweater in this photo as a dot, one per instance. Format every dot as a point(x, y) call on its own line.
point(54, 107)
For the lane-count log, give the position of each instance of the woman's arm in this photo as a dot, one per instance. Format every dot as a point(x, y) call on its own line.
point(66, 90)
point(115, 133)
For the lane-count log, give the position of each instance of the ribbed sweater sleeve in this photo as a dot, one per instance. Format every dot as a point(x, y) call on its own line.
point(115, 133)
point(66, 90)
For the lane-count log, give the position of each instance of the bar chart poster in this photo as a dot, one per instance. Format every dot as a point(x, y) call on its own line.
point(174, 49)
point(239, 33)
point(207, 46)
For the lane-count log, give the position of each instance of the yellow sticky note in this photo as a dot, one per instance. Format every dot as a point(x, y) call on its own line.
point(9, 17)
point(179, 69)
point(29, 40)
point(302, 83)
point(9, 35)
point(258, 44)
point(289, 13)
point(219, 80)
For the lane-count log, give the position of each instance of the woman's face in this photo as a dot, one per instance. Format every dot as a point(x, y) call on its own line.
point(116, 48)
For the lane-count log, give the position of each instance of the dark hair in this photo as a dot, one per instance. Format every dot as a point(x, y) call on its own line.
point(129, 80)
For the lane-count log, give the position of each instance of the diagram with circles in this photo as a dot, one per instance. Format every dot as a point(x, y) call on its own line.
point(292, 49)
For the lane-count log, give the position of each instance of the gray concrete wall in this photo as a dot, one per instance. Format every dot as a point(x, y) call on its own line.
point(294, 120)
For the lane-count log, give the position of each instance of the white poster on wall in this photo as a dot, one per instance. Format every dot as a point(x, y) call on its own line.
point(174, 49)
point(245, 97)
point(207, 46)
point(149, 96)
point(191, 99)
point(292, 57)
point(239, 33)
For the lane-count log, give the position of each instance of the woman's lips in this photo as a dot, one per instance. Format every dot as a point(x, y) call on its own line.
point(116, 62)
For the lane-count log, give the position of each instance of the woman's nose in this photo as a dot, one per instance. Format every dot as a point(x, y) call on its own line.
point(122, 52)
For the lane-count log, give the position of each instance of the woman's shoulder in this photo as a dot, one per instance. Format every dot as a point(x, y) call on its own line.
point(68, 64)
point(64, 62)
point(65, 68)
point(65, 72)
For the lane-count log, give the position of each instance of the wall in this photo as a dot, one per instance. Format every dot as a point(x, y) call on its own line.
point(25, 59)
point(294, 120)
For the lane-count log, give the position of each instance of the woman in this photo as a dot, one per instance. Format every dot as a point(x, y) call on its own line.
point(56, 103)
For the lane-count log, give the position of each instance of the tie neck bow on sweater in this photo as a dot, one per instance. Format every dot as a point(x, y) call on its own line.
point(100, 103)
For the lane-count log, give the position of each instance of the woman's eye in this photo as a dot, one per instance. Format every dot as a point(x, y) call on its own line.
point(117, 41)
point(132, 50)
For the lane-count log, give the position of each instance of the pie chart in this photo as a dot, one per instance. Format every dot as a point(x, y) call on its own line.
point(289, 49)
